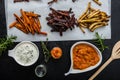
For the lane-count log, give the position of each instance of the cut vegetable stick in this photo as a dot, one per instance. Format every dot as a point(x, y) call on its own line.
point(21, 28)
point(13, 24)
point(83, 25)
point(82, 17)
point(20, 20)
point(97, 26)
point(84, 14)
point(82, 29)
point(25, 18)
point(38, 22)
point(90, 20)
point(93, 13)
point(94, 24)
point(44, 33)
point(97, 2)
point(31, 25)
point(36, 28)
point(22, 23)
point(31, 14)
point(92, 9)
point(27, 21)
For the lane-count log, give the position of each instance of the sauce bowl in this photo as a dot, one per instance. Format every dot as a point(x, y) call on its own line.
point(72, 70)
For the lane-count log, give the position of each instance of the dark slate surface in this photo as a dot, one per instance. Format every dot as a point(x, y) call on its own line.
point(10, 70)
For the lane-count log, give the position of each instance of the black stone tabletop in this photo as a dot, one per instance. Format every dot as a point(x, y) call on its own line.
point(10, 70)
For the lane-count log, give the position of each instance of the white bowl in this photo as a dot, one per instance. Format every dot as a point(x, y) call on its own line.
point(74, 71)
point(25, 53)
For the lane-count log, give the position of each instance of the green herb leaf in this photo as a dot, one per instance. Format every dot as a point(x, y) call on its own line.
point(6, 42)
point(45, 52)
point(100, 42)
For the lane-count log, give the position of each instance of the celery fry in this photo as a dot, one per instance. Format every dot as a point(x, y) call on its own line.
point(97, 2)
point(84, 14)
point(93, 13)
point(90, 20)
point(82, 29)
point(97, 26)
point(94, 24)
point(82, 25)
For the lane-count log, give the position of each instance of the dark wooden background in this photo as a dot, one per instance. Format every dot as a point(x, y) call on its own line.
point(10, 70)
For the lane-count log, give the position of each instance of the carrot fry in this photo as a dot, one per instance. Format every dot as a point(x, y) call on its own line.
point(13, 24)
point(37, 27)
point(34, 27)
point(31, 25)
point(44, 33)
point(20, 28)
point(25, 18)
point(28, 22)
point(38, 23)
point(20, 20)
point(31, 14)
point(22, 23)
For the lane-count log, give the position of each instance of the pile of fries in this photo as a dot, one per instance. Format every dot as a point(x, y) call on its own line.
point(61, 20)
point(92, 19)
point(28, 23)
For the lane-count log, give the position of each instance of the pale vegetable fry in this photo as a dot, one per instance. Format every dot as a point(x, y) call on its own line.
point(97, 26)
point(97, 2)
point(92, 19)
point(93, 13)
point(84, 14)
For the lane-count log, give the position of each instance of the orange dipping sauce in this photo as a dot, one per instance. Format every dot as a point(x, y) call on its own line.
point(84, 56)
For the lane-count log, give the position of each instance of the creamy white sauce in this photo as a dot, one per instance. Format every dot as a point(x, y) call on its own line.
point(26, 54)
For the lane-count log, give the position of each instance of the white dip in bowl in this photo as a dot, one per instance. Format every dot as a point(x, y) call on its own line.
point(25, 53)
